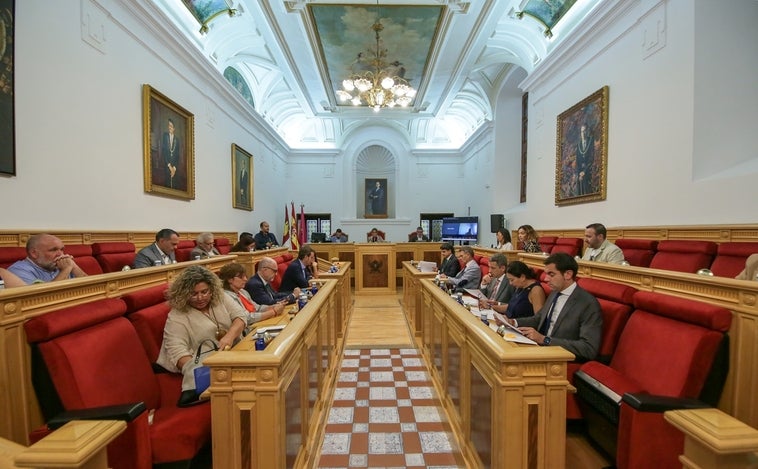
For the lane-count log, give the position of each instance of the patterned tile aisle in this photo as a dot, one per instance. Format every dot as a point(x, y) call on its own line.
point(386, 414)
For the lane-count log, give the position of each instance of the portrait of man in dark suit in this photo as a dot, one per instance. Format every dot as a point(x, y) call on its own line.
point(376, 198)
point(241, 178)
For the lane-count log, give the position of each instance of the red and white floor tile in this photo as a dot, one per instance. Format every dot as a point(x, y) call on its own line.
point(386, 414)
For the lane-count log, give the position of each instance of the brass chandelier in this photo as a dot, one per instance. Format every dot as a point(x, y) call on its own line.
point(379, 85)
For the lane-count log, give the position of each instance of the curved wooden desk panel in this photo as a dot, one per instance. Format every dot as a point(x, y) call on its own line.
point(506, 402)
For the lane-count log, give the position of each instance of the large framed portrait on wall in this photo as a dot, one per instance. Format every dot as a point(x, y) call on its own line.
point(7, 114)
point(581, 159)
point(242, 178)
point(376, 198)
point(169, 146)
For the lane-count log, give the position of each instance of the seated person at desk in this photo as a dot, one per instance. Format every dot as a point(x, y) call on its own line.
point(45, 261)
point(528, 295)
point(495, 286)
point(233, 277)
point(204, 248)
point(10, 279)
point(338, 237)
point(750, 272)
point(245, 244)
point(161, 252)
point(419, 236)
point(600, 249)
point(450, 265)
point(527, 238)
point(570, 316)
point(264, 239)
point(301, 270)
point(503, 240)
point(260, 289)
point(200, 311)
point(470, 276)
point(374, 236)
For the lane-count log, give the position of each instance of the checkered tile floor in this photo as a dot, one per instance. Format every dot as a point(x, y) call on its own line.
point(386, 414)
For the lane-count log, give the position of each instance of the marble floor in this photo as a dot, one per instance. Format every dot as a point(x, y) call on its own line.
point(386, 414)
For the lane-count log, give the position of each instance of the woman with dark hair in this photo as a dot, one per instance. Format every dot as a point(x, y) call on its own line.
point(200, 311)
point(503, 240)
point(527, 238)
point(528, 296)
point(234, 278)
point(245, 244)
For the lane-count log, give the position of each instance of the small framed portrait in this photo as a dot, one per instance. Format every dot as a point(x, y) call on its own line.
point(169, 146)
point(376, 198)
point(242, 178)
point(581, 159)
point(7, 124)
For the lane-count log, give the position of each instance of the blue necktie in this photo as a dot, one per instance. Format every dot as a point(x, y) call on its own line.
point(546, 323)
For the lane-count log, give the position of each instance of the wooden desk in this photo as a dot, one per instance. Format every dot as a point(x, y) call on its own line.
point(507, 402)
point(413, 300)
point(375, 268)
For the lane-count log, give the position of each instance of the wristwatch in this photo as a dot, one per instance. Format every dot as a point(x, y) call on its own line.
point(546, 341)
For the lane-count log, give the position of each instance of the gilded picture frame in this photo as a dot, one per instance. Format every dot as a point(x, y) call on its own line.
point(169, 146)
point(7, 78)
point(242, 179)
point(581, 160)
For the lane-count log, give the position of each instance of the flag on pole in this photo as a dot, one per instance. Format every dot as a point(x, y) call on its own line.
point(301, 231)
point(286, 234)
point(294, 240)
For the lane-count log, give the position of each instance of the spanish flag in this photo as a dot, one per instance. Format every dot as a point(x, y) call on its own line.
point(294, 241)
point(286, 234)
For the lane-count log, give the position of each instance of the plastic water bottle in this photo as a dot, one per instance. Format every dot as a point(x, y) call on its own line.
point(2, 284)
point(314, 288)
point(158, 262)
point(302, 301)
point(260, 341)
point(484, 319)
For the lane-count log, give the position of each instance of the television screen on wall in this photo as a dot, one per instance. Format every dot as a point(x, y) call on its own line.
point(460, 228)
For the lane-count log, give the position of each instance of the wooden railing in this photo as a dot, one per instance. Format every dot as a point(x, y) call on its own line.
point(270, 407)
point(506, 402)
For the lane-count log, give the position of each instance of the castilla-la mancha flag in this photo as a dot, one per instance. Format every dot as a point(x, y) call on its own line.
point(286, 234)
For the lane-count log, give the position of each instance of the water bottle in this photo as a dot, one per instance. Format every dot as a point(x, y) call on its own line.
point(260, 341)
point(2, 284)
point(314, 288)
point(302, 301)
point(484, 319)
point(459, 298)
point(158, 262)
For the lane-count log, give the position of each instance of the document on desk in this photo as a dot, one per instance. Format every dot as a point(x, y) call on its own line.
point(512, 334)
point(426, 266)
point(475, 293)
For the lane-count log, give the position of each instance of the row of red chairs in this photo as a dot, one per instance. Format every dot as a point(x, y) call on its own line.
point(723, 259)
point(99, 258)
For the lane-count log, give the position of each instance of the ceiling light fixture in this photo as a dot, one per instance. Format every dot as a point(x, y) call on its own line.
point(380, 84)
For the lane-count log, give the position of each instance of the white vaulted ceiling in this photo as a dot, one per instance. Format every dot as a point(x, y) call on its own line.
point(274, 46)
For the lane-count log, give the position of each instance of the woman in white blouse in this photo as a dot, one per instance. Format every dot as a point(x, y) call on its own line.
point(503, 240)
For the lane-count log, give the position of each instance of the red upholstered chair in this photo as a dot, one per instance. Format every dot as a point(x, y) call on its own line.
point(571, 246)
point(281, 267)
point(616, 304)
point(730, 258)
point(547, 242)
point(183, 250)
point(223, 245)
point(684, 256)
point(112, 257)
point(381, 233)
point(94, 358)
point(637, 252)
point(672, 353)
point(484, 263)
point(82, 254)
point(11, 254)
point(148, 310)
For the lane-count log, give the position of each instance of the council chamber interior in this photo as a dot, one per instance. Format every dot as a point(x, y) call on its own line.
point(505, 96)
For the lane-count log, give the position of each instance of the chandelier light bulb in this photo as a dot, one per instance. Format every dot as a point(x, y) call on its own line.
point(387, 83)
point(356, 101)
point(348, 85)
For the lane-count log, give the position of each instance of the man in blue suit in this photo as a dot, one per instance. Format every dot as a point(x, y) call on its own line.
point(260, 289)
point(301, 270)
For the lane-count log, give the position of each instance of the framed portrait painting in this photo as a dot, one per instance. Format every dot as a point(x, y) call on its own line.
point(581, 160)
point(169, 146)
point(242, 179)
point(7, 125)
point(375, 191)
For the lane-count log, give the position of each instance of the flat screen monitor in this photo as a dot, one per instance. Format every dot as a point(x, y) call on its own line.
point(318, 237)
point(460, 228)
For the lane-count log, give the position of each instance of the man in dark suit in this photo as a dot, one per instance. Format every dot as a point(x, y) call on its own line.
point(418, 236)
point(260, 289)
point(264, 239)
point(300, 271)
point(570, 318)
point(243, 184)
point(450, 265)
point(495, 287)
point(161, 252)
point(171, 151)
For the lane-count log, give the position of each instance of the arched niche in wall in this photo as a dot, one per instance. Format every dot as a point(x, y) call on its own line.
point(375, 169)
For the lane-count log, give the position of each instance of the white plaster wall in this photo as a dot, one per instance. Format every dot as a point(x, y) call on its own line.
point(651, 130)
point(79, 128)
